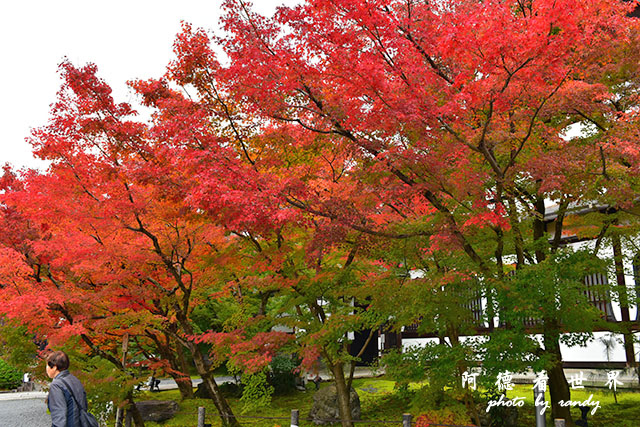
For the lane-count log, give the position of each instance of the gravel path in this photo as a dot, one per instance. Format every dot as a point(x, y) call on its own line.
point(24, 413)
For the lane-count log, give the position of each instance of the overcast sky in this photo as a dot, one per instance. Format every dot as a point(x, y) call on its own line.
point(125, 39)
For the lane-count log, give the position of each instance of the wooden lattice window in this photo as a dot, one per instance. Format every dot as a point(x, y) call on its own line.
point(597, 292)
point(474, 305)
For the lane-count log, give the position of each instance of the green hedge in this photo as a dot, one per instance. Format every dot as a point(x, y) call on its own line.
point(282, 376)
point(10, 378)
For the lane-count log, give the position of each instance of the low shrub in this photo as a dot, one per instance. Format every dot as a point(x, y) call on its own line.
point(442, 416)
point(256, 392)
point(282, 376)
point(438, 406)
point(10, 378)
point(432, 397)
point(229, 390)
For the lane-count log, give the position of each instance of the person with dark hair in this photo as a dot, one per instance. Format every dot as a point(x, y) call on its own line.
point(66, 392)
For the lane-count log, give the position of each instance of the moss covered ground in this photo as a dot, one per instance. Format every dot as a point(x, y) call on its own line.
point(380, 401)
point(625, 413)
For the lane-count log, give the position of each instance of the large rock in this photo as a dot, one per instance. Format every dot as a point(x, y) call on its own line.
point(325, 406)
point(157, 410)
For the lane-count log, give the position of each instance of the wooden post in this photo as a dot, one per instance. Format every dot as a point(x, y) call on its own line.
point(559, 422)
point(125, 348)
point(406, 420)
point(201, 415)
point(295, 418)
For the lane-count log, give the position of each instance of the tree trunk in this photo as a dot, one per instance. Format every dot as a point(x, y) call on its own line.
point(629, 349)
point(184, 381)
point(623, 297)
point(179, 369)
point(185, 386)
point(226, 414)
point(344, 394)
point(133, 409)
point(558, 386)
point(224, 410)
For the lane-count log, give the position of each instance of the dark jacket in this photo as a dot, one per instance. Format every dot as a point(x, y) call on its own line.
point(64, 412)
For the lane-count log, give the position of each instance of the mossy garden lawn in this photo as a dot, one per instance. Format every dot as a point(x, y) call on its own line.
point(380, 401)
